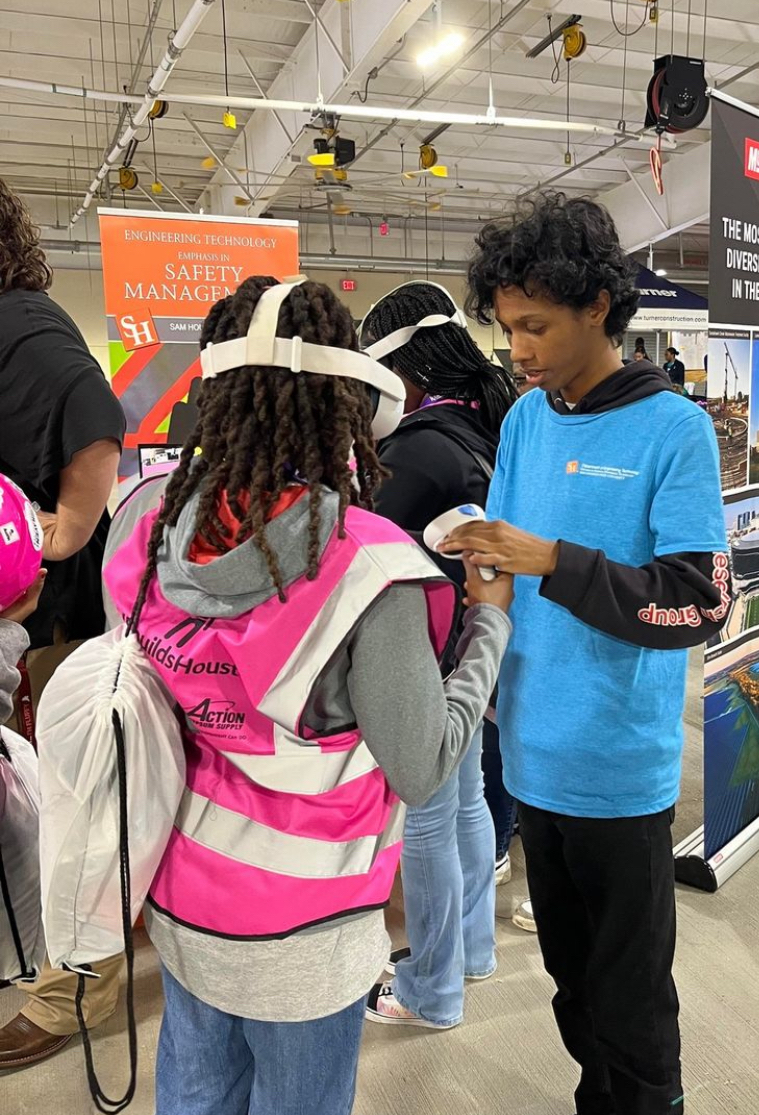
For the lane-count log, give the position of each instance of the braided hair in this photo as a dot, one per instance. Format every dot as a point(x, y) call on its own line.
point(259, 428)
point(443, 360)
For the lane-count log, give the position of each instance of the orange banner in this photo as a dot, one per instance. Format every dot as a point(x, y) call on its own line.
point(162, 274)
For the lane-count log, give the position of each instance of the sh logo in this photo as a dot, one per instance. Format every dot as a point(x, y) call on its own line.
point(137, 334)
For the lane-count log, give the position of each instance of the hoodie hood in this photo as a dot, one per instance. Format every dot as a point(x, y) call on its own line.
point(239, 581)
point(460, 422)
point(630, 384)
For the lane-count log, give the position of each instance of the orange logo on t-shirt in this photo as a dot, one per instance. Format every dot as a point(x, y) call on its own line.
point(573, 467)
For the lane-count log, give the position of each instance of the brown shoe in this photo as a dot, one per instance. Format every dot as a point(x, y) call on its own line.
point(22, 1043)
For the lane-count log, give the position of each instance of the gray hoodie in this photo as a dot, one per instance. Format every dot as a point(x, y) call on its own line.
point(14, 641)
point(386, 680)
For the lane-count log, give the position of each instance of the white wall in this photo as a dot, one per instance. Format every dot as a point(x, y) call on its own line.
point(81, 295)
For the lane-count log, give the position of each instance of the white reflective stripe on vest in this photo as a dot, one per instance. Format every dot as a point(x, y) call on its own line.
point(371, 570)
point(300, 767)
point(238, 838)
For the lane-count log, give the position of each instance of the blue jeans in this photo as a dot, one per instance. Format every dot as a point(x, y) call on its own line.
point(448, 869)
point(212, 1063)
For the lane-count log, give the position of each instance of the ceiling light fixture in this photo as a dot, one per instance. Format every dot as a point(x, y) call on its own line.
point(446, 46)
point(661, 272)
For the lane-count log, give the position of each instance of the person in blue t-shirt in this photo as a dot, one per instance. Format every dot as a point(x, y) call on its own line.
point(606, 505)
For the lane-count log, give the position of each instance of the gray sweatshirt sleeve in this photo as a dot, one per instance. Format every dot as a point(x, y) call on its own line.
point(14, 641)
point(417, 727)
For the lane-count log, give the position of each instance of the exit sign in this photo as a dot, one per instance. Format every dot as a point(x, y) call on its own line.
point(348, 284)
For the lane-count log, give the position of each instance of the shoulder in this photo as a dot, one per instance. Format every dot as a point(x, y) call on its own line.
point(677, 409)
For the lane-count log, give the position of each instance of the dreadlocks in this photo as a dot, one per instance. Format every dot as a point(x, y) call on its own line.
point(443, 360)
point(259, 428)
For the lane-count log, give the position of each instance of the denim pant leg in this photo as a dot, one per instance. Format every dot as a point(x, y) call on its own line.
point(476, 840)
point(501, 804)
point(204, 1064)
point(306, 1068)
point(431, 982)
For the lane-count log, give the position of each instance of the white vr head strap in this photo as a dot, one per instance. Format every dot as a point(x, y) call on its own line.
point(263, 348)
point(393, 341)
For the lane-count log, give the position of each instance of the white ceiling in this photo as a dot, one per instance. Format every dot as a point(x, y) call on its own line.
point(51, 146)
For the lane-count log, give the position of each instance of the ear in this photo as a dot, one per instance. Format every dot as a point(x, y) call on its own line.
point(598, 311)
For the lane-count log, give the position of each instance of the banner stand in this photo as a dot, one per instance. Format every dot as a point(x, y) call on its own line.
point(694, 871)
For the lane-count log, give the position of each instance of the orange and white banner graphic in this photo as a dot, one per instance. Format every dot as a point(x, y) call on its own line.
point(162, 274)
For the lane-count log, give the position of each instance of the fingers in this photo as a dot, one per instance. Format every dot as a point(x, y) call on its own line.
point(35, 591)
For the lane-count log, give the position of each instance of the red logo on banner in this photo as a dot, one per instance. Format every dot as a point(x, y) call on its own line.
point(137, 330)
point(752, 159)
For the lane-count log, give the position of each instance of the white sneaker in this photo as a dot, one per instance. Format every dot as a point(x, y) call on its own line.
point(524, 918)
point(384, 1007)
point(503, 870)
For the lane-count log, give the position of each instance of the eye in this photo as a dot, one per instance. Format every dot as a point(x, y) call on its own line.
point(536, 330)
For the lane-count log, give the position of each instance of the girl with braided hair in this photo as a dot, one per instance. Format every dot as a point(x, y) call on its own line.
point(442, 456)
point(300, 636)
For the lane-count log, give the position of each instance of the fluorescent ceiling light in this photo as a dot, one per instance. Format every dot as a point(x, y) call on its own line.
point(661, 272)
point(441, 50)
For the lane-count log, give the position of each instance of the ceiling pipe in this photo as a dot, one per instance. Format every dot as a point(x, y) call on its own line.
point(486, 119)
point(177, 44)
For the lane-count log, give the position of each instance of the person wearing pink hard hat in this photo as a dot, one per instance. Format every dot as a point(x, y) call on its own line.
point(61, 431)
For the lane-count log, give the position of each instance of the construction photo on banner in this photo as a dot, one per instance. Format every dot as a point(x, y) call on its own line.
point(162, 274)
point(731, 675)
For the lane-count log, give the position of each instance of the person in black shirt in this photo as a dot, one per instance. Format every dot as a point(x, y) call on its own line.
point(674, 368)
point(441, 456)
point(61, 431)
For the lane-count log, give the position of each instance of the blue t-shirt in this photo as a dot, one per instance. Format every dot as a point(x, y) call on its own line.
point(591, 726)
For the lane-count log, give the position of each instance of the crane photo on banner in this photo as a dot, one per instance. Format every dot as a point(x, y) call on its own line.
point(162, 274)
point(730, 833)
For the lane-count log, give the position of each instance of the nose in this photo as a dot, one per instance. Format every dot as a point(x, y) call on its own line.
point(521, 350)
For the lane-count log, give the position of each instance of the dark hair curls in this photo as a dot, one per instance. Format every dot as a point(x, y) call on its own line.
point(22, 262)
point(566, 249)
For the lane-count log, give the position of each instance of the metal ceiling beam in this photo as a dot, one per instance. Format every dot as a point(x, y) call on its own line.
point(381, 25)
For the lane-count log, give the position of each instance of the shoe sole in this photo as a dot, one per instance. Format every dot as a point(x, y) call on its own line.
point(390, 1020)
point(522, 923)
point(390, 967)
point(32, 1058)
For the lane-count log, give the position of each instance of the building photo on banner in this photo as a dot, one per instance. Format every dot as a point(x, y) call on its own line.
point(731, 673)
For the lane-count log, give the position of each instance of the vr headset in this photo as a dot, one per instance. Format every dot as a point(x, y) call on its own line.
point(263, 348)
point(381, 350)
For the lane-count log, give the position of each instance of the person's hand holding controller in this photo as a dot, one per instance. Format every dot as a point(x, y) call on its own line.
point(498, 591)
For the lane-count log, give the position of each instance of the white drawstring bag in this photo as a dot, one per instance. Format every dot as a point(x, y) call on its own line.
point(22, 942)
point(112, 774)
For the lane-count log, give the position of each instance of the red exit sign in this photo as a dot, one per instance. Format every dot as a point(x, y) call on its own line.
point(348, 285)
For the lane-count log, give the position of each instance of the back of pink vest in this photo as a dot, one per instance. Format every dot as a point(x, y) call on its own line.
point(277, 829)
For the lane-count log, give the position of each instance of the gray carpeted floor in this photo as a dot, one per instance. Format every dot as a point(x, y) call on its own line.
point(506, 1059)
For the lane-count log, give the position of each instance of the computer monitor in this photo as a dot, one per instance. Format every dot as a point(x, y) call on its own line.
point(158, 460)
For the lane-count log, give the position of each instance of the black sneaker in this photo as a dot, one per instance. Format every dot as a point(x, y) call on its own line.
point(395, 957)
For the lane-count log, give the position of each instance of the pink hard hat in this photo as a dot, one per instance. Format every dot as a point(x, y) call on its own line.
point(21, 541)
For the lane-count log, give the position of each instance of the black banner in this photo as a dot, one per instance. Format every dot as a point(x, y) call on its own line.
point(734, 253)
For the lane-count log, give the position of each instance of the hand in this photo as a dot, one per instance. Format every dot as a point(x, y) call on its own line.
point(26, 605)
point(499, 592)
point(504, 547)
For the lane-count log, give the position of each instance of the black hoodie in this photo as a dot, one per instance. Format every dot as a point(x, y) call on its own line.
point(610, 596)
point(440, 456)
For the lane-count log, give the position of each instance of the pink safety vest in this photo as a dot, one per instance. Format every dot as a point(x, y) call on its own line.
point(277, 830)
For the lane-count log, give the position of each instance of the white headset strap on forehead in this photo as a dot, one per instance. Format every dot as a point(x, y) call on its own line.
point(400, 337)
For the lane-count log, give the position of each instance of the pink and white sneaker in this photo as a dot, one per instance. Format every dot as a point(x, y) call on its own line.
point(384, 1007)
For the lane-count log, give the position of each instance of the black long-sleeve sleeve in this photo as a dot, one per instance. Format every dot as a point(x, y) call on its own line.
point(674, 602)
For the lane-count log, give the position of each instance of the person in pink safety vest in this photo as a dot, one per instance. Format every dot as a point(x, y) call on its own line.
point(300, 635)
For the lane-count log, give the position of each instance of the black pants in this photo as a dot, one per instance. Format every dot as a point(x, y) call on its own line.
point(603, 895)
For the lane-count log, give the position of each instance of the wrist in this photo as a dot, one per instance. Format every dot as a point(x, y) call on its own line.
point(549, 559)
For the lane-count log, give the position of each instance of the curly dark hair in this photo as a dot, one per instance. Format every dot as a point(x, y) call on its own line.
point(259, 428)
point(444, 360)
point(22, 262)
point(566, 249)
